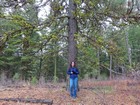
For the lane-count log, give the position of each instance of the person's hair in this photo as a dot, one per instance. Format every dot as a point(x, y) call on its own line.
point(71, 64)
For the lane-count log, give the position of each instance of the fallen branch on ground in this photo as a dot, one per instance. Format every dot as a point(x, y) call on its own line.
point(41, 101)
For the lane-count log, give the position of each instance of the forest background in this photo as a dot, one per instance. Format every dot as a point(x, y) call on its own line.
point(37, 39)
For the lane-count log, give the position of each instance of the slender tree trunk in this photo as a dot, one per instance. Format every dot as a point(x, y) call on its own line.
point(41, 78)
point(3, 77)
point(99, 66)
point(110, 67)
point(40, 64)
point(128, 48)
point(55, 68)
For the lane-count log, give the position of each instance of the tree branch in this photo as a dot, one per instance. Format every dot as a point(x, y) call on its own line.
point(41, 101)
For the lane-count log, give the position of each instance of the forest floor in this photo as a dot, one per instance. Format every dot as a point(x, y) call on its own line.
point(114, 92)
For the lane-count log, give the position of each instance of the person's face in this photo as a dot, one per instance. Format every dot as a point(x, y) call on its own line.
point(72, 64)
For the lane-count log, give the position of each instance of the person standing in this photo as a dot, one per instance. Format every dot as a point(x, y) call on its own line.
point(73, 72)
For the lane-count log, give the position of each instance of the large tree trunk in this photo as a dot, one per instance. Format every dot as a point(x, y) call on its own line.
point(72, 30)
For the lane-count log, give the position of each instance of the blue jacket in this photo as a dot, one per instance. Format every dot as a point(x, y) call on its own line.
point(73, 72)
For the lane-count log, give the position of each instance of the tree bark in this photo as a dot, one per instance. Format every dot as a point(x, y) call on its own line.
point(72, 30)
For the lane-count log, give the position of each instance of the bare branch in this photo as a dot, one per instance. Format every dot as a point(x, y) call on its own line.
point(49, 102)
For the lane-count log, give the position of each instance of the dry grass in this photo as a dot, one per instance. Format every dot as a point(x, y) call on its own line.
point(115, 92)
